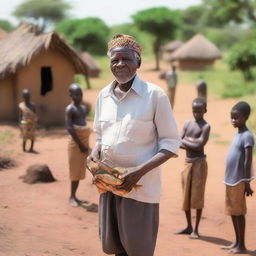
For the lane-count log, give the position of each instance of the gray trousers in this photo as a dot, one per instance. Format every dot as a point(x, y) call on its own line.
point(127, 227)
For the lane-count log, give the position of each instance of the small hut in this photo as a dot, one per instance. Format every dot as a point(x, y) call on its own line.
point(196, 54)
point(41, 62)
point(169, 48)
point(94, 69)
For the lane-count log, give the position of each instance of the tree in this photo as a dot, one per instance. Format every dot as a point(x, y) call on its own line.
point(225, 11)
point(89, 34)
point(131, 29)
point(243, 57)
point(6, 25)
point(43, 13)
point(161, 22)
point(193, 15)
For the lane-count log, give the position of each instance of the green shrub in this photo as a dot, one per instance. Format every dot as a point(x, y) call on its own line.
point(243, 57)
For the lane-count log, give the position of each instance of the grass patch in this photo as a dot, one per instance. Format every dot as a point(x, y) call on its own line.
point(221, 81)
point(214, 135)
point(251, 123)
point(6, 137)
point(90, 116)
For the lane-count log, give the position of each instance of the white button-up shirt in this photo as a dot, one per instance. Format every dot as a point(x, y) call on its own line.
point(133, 129)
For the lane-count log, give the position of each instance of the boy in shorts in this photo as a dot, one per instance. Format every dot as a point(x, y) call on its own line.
point(194, 137)
point(238, 174)
point(78, 146)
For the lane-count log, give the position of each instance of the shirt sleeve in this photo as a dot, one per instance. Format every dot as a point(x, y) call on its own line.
point(168, 135)
point(96, 123)
point(248, 140)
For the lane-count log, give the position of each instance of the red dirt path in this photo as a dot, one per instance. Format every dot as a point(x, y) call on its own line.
point(36, 220)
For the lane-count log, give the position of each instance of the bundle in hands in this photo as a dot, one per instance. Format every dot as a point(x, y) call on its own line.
point(106, 178)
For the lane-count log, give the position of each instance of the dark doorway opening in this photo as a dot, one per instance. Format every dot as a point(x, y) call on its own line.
point(46, 80)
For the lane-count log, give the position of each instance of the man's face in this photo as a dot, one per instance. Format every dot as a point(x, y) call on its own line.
point(198, 111)
point(123, 64)
point(76, 95)
point(237, 118)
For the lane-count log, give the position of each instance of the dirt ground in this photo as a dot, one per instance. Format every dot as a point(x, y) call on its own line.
point(36, 220)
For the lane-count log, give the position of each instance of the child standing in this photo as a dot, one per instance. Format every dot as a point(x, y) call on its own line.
point(28, 120)
point(238, 174)
point(194, 137)
point(78, 146)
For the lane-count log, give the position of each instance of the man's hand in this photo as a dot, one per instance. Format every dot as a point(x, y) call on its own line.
point(131, 179)
point(248, 191)
point(95, 154)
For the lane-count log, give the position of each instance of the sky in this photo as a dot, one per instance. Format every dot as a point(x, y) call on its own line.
point(111, 11)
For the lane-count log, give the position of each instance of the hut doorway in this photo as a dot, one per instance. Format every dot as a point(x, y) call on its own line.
point(46, 80)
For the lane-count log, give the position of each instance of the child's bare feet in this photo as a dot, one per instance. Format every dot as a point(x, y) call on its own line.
point(186, 231)
point(194, 235)
point(238, 250)
point(73, 202)
point(82, 201)
point(231, 246)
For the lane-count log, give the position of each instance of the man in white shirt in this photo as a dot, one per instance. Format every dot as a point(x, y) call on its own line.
point(135, 129)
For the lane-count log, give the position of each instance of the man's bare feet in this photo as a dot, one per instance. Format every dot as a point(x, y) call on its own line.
point(238, 250)
point(231, 246)
point(186, 231)
point(194, 235)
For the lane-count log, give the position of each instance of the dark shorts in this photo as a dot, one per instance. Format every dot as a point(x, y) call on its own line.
point(127, 226)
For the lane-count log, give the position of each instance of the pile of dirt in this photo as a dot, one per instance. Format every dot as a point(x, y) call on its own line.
point(6, 162)
point(37, 173)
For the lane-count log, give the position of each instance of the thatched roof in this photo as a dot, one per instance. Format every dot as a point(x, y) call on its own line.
point(94, 69)
point(198, 47)
point(172, 46)
point(2, 33)
point(20, 46)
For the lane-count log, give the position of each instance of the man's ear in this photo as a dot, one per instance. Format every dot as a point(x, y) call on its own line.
point(139, 62)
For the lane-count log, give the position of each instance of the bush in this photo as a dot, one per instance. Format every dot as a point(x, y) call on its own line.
point(88, 34)
point(243, 57)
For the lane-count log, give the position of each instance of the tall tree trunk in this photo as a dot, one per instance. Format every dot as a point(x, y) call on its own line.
point(156, 46)
point(88, 82)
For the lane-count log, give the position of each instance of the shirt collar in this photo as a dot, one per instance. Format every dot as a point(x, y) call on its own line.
point(136, 87)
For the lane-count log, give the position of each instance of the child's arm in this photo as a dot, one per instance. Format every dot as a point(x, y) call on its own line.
point(248, 163)
point(71, 130)
point(183, 134)
point(198, 143)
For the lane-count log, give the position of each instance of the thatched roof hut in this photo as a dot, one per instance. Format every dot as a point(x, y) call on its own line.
point(21, 46)
point(169, 48)
point(172, 46)
point(41, 62)
point(94, 69)
point(196, 54)
point(2, 33)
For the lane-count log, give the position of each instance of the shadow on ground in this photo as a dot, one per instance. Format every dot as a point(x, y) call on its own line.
point(222, 242)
